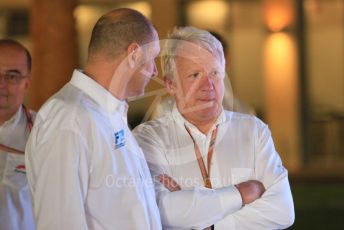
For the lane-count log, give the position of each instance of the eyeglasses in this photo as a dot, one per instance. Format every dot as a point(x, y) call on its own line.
point(12, 78)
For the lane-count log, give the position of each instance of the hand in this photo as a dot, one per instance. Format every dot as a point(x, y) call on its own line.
point(250, 191)
point(169, 183)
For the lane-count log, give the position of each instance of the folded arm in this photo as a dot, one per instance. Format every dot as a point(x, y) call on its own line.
point(249, 191)
point(275, 209)
point(195, 208)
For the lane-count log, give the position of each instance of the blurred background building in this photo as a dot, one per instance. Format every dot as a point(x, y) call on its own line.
point(286, 60)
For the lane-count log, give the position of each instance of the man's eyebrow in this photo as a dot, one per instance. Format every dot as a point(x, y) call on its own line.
point(12, 71)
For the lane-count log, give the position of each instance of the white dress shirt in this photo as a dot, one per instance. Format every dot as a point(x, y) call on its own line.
point(15, 202)
point(243, 151)
point(85, 169)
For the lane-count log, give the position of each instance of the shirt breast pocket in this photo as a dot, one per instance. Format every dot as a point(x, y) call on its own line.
point(14, 172)
point(239, 175)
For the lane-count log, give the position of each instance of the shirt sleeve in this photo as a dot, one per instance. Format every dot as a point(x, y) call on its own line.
point(275, 209)
point(195, 208)
point(58, 178)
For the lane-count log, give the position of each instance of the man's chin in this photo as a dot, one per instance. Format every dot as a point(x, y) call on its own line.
point(209, 107)
point(210, 112)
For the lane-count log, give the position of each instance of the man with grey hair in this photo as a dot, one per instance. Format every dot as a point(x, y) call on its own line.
point(211, 167)
point(85, 168)
point(15, 126)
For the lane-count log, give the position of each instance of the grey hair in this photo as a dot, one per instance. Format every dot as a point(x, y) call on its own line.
point(180, 35)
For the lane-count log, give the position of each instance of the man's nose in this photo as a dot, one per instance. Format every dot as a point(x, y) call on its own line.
point(155, 70)
point(207, 82)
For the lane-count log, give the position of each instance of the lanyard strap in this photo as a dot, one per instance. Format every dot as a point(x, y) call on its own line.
point(205, 170)
point(28, 118)
point(29, 124)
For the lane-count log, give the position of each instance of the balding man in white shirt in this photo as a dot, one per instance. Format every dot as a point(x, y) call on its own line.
point(212, 168)
point(85, 169)
point(15, 126)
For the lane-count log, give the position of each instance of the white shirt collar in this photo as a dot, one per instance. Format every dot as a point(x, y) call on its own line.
point(178, 117)
point(98, 93)
point(14, 119)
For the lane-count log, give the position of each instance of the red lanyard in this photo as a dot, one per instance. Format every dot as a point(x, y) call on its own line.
point(205, 171)
point(29, 124)
point(28, 118)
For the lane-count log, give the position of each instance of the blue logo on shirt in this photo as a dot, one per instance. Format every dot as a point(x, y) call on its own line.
point(119, 139)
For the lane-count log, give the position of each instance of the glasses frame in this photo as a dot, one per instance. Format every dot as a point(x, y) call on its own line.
point(12, 78)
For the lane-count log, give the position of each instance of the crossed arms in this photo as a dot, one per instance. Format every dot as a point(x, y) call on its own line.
point(262, 202)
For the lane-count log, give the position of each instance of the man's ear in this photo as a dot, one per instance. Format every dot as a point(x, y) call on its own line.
point(170, 86)
point(27, 82)
point(134, 53)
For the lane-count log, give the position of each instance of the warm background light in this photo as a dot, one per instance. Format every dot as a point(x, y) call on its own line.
point(278, 14)
point(141, 6)
point(281, 96)
point(208, 14)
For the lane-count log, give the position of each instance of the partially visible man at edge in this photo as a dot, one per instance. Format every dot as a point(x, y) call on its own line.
point(85, 168)
point(15, 126)
point(207, 162)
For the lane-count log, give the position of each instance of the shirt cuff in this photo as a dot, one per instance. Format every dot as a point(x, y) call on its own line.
point(230, 199)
